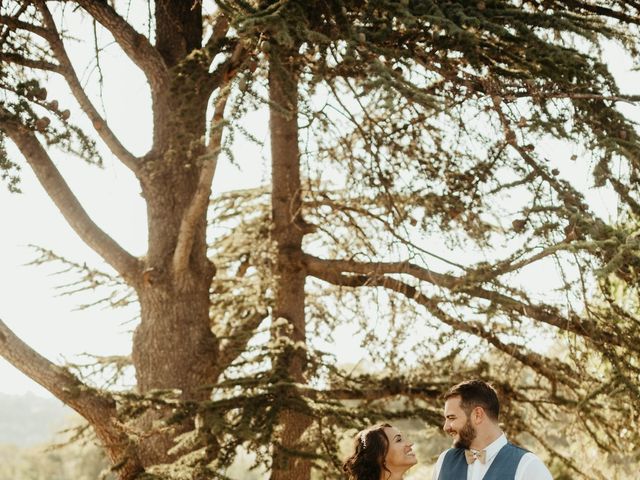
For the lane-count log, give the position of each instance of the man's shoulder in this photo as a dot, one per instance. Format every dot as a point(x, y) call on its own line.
point(531, 457)
point(532, 467)
point(517, 448)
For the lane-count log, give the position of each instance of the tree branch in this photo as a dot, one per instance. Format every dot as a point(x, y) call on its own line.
point(200, 200)
point(368, 212)
point(371, 273)
point(604, 11)
point(54, 184)
point(96, 407)
point(29, 63)
point(5, 34)
point(220, 29)
point(547, 367)
point(632, 99)
point(227, 69)
point(135, 45)
point(69, 74)
point(383, 389)
point(235, 343)
point(14, 24)
point(316, 264)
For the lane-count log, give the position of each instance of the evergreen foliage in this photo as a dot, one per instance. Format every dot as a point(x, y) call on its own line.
point(427, 199)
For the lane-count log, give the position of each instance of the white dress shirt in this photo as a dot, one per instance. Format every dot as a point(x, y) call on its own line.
point(529, 468)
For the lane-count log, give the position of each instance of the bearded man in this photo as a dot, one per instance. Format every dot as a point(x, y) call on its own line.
point(480, 448)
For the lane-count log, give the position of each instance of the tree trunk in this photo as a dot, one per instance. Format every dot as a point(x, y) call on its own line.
point(289, 275)
point(173, 347)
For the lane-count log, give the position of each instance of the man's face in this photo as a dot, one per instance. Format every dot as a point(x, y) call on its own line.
point(457, 423)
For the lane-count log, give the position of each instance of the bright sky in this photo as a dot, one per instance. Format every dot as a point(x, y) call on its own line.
point(30, 305)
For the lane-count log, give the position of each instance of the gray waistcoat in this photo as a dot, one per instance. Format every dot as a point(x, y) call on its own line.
point(503, 467)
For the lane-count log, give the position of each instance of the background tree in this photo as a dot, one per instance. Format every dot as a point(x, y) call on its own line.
point(415, 132)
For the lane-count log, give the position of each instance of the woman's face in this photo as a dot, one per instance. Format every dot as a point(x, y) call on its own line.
point(400, 456)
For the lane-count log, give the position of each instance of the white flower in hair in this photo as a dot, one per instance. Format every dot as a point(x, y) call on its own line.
point(363, 439)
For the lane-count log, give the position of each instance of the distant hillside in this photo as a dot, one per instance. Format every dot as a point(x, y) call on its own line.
point(29, 420)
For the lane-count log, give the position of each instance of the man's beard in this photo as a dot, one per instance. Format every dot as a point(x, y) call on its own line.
point(466, 436)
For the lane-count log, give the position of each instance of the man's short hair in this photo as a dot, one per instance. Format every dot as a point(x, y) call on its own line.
point(476, 393)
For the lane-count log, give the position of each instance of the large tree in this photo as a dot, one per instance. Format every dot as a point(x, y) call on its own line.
point(404, 145)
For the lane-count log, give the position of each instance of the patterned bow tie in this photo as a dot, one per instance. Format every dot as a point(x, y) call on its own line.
point(473, 455)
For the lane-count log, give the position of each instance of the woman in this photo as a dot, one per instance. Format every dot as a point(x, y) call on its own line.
point(380, 452)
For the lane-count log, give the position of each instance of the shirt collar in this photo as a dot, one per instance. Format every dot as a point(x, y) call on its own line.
point(494, 447)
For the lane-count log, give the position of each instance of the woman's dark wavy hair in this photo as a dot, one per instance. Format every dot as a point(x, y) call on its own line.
point(370, 451)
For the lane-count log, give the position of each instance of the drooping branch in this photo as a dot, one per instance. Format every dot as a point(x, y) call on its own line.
point(236, 342)
point(385, 388)
point(373, 274)
point(98, 408)
point(29, 62)
point(13, 23)
point(316, 265)
point(200, 200)
point(56, 187)
point(546, 367)
point(605, 11)
point(67, 71)
point(375, 270)
point(566, 193)
point(134, 44)
point(117, 293)
point(370, 213)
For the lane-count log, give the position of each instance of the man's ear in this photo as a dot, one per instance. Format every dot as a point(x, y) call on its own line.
point(478, 415)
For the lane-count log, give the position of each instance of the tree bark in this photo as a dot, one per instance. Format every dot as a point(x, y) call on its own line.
point(178, 29)
point(289, 272)
point(173, 347)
